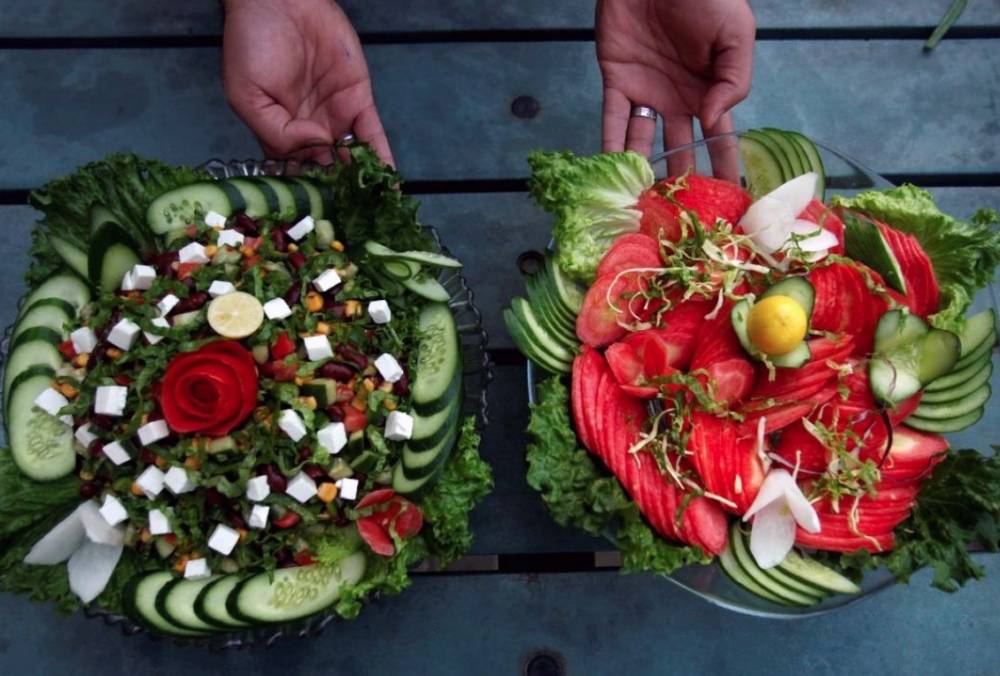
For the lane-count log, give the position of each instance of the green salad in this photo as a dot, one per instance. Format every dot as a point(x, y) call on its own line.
point(229, 403)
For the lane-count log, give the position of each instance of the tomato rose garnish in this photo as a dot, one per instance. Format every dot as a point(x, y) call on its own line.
point(211, 390)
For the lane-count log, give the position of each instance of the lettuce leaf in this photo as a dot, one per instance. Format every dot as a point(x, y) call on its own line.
point(964, 255)
point(24, 502)
point(580, 494)
point(593, 199)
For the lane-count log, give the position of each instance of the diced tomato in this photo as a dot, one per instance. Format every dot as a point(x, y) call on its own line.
point(375, 497)
point(250, 262)
point(304, 558)
point(409, 521)
point(185, 270)
point(284, 369)
point(67, 349)
point(375, 536)
point(354, 419)
point(282, 347)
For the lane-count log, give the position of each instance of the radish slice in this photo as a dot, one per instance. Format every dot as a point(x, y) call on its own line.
point(90, 568)
point(796, 193)
point(59, 543)
point(772, 536)
point(97, 527)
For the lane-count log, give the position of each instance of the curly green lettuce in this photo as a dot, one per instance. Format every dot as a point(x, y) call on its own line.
point(965, 255)
point(578, 493)
point(593, 199)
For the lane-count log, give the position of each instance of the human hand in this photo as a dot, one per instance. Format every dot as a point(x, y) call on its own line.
point(684, 59)
point(295, 73)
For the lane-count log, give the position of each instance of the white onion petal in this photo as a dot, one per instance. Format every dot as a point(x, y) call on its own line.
point(59, 543)
point(90, 568)
point(773, 535)
point(97, 527)
point(796, 193)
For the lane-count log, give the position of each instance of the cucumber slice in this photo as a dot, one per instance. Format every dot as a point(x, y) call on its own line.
point(566, 290)
point(762, 171)
point(957, 376)
point(551, 317)
point(417, 464)
point(113, 252)
point(946, 425)
point(779, 154)
point(811, 572)
point(954, 408)
point(978, 328)
point(139, 602)
point(963, 386)
point(902, 370)
point(436, 371)
point(527, 343)
point(978, 354)
point(64, 289)
point(303, 201)
point(404, 484)
point(529, 321)
point(399, 270)
point(188, 204)
point(324, 390)
point(891, 383)
point(786, 594)
point(293, 593)
point(257, 203)
point(542, 291)
point(27, 355)
point(814, 162)
point(290, 204)
point(427, 287)
point(898, 327)
point(50, 315)
point(797, 288)
point(800, 355)
point(939, 352)
point(43, 333)
point(436, 260)
point(789, 149)
point(73, 256)
point(430, 429)
point(41, 445)
point(736, 572)
point(864, 241)
point(318, 202)
point(100, 214)
point(210, 604)
point(175, 603)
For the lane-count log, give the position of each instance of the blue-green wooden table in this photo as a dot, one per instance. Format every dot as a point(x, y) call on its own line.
point(79, 80)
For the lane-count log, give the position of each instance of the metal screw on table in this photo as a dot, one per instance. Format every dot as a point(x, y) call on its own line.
point(525, 107)
point(545, 664)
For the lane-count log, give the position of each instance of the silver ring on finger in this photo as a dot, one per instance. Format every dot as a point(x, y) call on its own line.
point(643, 111)
point(345, 140)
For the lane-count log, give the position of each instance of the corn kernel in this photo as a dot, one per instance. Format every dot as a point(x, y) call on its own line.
point(136, 490)
point(314, 302)
point(352, 308)
point(193, 463)
point(323, 328)
point(359, 403)
point(160, 462)
point(86, 475)
point(180, 562)
point(145, 535)
point(247, 251)
point(390, 404)
point(114, 353)
point(67, 390)
point(386, 387)
point(337, 245)
point(309, 401)
point(369, 384)
point(175, 266)
point(292, 248)
point(211, 250)
point(242, 532)
point(80, 360)
point(326, 492)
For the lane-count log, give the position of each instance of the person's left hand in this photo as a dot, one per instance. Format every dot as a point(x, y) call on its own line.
point(294, 72)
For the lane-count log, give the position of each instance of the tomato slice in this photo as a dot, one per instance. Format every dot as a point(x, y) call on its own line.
point(628, 257)
point(375, 536)
point(608, 301)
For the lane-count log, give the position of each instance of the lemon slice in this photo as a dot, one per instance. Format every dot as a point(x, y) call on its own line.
point(235, 314)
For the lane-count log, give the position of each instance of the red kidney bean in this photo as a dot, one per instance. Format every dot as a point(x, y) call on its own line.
point(102, 421)
point(89, 490)
point(147, 456)
point(350, 353)
point(279, 239)
point(294, 294)
point(296, 259)
point(97, 449)
point(337, 371)
point(402, 386)
point(305, 453)
point(314, 471)
point(288, 520)
point(190, 283)
point(193, 302)
point(267, 369)
point(277, 483)
point(214, 497)
point(337, 308)
point(335, 412)
point(246, 225)
point(236, 521)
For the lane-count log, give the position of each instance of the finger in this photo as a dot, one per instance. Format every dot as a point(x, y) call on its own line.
point(282, 134)
point(640, 135)
point(614, 120)
point(732, 73)
point(678, 130)
point(368, 128)
point(724, 151)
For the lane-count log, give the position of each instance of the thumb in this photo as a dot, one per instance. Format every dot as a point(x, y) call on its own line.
point(732, 73)
point(278, 131)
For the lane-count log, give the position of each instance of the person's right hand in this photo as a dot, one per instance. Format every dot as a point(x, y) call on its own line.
point(294, 72)
point(685, 59)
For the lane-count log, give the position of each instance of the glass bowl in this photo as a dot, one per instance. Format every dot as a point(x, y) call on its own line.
point(720, 157)
point(477, 375)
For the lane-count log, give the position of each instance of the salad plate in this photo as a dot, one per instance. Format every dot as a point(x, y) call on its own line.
point(721, 462)
point(232, 412)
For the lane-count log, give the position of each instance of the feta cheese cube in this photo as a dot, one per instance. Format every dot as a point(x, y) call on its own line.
point(153, 431)
point(143, 276)
point(113, 510)
point(326, 280)
point(110, 399)
point(196, 568)
point(150, 482)
point(223, 539)
point(258, 488)
point(301, 487)
point(51, 401)
point(230, 238)
point(128, 284)
point(193, 253)
point(159, 524)
point(333, 437)
point(348, 489)
point(123, 334)
point(292, 424)
point(167, 303)
point(398, 426)
point(177, 481)
point(116, 453)
point(214, 219)
point(379, 311)
point(389, 367)
point(277, 308)
point(154, 338)
point(258, 516)
point(302, 228)
point(85, 435)
point(220, 288)
point(317, 347)
point(84, 340)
